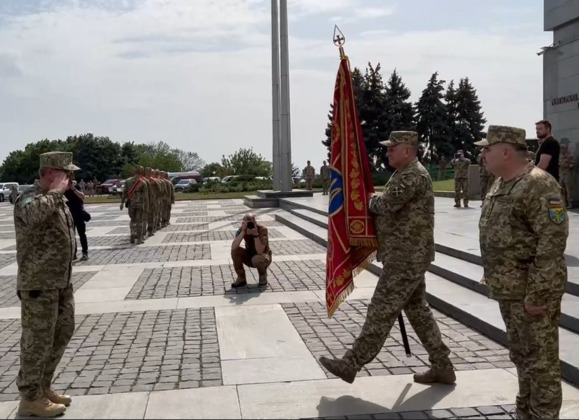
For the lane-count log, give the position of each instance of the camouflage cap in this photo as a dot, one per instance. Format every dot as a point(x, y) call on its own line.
point(58, 160)
point(504, 134)
point(401, 137)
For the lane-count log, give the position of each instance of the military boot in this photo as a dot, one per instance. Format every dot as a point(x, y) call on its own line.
point(57, 398)
point(241, 279)
point(140, 241)
point(263, 279)
point(434, 375)
point(41, 407)
point(339, 368)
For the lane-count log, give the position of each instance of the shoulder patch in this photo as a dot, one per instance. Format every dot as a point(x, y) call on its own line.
point(556, 210)
point(25, 200)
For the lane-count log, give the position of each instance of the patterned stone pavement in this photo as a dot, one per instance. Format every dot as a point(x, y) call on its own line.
point(161, 321)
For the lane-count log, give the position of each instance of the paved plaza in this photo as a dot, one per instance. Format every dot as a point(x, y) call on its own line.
point(161, 334)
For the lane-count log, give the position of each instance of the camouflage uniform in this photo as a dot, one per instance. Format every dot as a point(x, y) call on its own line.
point(13, 194)
point(404, 220)
point(486, 178)
point(442, 168)
point(45, 246)
point(523, 234)
point(138, 205)
point(566, 166)
point(153, 203)
point(171, 189)
point(309, 175)
point(461, 185)
point(325, 176)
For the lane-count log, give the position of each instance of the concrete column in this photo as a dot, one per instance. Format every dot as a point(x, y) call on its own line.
point(285, 149)
point(275, 77)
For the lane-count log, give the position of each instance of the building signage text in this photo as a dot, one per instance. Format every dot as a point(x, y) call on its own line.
point(565, 99)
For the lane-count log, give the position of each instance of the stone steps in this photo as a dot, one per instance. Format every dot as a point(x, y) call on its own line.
point(459, 295)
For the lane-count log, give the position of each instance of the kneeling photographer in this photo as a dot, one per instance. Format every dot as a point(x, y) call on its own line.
point(255, 254)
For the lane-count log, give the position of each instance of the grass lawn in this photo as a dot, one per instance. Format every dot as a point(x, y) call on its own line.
point(178, 197)
point(446, 185)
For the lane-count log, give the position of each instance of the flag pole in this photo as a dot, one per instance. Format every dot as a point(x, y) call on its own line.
point(339, 41)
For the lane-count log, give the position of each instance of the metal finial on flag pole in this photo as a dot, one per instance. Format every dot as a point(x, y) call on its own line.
point(339, 40)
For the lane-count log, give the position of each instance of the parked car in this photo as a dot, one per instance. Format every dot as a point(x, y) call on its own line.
point(5, 190)
point(187, 175)
point(212, 179)
point(184, 184)
point(118, 188)
point(106, 187)
point(229, 178)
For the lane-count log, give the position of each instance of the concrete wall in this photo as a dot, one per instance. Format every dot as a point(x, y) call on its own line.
point(561, 73)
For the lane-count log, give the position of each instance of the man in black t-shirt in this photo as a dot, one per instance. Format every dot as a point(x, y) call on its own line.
point(75, 203)
point(547, 157)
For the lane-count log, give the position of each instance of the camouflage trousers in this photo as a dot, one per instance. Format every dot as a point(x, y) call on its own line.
point(325, 186)
point(461, 190)
point(241, 257)
point(484, 187)
point(567, 185)
point(442, 174)
point(151, 219)
point(534, 349)
point(400, 287)
point(137, 215)
point(309, 183)
point(47, 327)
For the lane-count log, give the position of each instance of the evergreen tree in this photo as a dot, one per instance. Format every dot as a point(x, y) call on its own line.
point(470, 116)
point(432, 122)
point(397, 113)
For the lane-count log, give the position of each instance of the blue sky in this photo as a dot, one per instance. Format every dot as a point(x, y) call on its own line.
point(196, 73)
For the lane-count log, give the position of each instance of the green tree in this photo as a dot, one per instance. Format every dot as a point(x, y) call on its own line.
point(159, 156)
point(397, 112)
point(190, 161)
point(432, 123)
point(470, 119)
point(214, 169)
point(296, 172)
point(247, 162)
point(98, 157)
point(452, 117)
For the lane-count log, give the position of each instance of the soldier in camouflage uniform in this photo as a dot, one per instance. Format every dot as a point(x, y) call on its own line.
point(45, 246)
point(162, 197)
point(325, 176)
point(153, 202)
point(309, 175)
point(523, 234)
point(404, 220)
point(170, 199)
point(461, 184)
point(566, 165)
point(136, 197)
point(442, 168)
point(486, 178)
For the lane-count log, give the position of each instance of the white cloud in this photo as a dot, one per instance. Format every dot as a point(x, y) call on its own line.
point(197, 73)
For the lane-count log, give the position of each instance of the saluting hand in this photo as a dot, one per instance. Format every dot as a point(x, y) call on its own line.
point(60, 182)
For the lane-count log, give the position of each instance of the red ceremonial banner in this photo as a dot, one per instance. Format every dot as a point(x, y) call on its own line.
point(351, 236)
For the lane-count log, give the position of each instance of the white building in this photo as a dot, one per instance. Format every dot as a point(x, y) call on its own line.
point(561, 73)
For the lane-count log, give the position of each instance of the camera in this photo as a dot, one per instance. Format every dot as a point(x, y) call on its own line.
point(250, 225)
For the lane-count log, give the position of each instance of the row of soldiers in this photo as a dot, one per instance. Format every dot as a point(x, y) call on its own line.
point(309, 174)
point(149, 196)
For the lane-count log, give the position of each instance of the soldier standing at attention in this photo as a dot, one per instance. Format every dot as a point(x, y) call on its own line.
point(45, 245)
point(325, 175)
point(404, 219)
point(171, 189)
point(566, 166)
point(136, 197)
point(442, 168)
point(523, 234)
point(309, 175)
point(461, 185)
point(486, 178)
point(153, 202)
